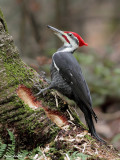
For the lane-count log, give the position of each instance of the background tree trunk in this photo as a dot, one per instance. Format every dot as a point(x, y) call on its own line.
point(33, 127)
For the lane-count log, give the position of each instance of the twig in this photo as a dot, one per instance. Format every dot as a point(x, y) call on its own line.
point(67, 156)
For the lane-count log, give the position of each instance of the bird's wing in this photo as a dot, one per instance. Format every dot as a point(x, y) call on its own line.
point(70, 70)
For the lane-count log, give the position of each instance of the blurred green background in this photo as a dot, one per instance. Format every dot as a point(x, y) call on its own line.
point(98, 22)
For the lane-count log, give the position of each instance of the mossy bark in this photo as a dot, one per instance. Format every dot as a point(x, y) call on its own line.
point(30, 127)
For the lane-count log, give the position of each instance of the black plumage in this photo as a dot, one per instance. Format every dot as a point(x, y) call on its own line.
point(67, 78)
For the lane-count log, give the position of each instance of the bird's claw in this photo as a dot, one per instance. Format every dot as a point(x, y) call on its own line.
point(38, 93)
point(41, 91)
point(38, 86)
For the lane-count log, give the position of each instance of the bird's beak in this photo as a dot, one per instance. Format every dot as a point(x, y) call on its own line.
point(56, 31)
point(59, 33)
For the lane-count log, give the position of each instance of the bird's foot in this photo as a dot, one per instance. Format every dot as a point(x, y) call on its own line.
point(42, 91)
point(38, 86)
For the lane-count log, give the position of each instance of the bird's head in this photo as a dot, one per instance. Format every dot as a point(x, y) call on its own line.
point(71, 40)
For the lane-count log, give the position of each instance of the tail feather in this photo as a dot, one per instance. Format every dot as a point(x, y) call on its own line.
point(88, 117)
point(94, 115)
point(91, 127)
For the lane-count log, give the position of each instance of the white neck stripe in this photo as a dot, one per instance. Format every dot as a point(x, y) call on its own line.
point(65, 48)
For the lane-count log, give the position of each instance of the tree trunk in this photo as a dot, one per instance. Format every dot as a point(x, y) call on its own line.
point(37, 127)
point(30, 127)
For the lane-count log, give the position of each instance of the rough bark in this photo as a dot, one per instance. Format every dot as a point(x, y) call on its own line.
point(32, 127)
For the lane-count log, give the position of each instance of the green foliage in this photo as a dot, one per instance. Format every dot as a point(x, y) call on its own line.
point(22, 155)
point(2, 149)
point(11, 147)
point(8, 150)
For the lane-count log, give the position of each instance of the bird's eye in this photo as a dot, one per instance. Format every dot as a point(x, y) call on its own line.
point(70, 34)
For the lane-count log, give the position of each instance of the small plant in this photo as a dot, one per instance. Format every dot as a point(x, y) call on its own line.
point(2, 149)
point(8, 150)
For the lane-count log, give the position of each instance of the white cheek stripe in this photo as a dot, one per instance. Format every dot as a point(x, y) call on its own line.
point(55, 66)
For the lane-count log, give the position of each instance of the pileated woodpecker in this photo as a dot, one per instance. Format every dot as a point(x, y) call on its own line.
point(67, 78)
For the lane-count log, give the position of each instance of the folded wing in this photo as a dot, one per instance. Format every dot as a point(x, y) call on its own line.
point(71, 72)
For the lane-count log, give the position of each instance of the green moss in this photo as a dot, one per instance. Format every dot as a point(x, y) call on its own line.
point(89, 137)
point(17, 102)
point(77, 120)
point(25, 120)
point(17, 72)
